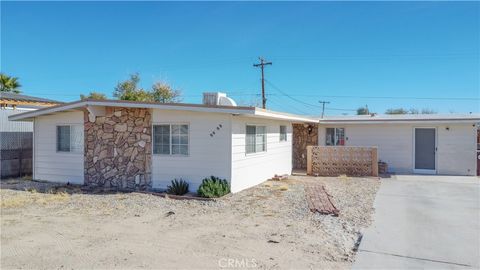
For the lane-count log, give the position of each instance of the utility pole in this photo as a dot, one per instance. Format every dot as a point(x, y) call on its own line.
point(261, 65)
point(323, 106)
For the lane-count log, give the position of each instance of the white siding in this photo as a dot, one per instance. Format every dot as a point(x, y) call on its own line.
point(207, 155)
point(251, 169)
point(50, 165)
point(456, 147)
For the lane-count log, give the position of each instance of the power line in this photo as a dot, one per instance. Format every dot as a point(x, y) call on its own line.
point(302, 102)
point(337, 109)
point(392, 97)
point(291, 107)
point(323, 106)
point(289, 96)
point(389, 56)
point(294, 95)
point(262, 64)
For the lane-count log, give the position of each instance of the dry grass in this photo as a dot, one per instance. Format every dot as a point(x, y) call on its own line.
point(268, 184)
point(21, 199)
point(270, 223)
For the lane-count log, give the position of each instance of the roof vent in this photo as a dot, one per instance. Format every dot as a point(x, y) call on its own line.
point(217, 99)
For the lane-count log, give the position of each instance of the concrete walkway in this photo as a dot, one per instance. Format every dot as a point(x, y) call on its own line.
point(424, 222)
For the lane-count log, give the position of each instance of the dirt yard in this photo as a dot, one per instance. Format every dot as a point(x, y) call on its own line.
point(266, 227)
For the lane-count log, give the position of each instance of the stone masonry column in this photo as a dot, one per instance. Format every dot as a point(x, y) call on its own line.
point(303, 136)
point(118, 149)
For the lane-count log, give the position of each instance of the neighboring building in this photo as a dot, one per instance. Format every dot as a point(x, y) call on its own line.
point(142, 145)
point(411, 143)
point(16, 136)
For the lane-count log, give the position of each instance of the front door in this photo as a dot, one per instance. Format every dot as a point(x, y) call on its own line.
point(425, 150)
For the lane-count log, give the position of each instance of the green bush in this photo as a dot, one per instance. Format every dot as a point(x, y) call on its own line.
point(213, 187)
point(178, 187)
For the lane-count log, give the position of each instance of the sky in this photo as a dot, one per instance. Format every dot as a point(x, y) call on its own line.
point(381, 54)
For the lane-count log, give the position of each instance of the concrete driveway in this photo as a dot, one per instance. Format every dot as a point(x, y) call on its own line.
point(424, 222)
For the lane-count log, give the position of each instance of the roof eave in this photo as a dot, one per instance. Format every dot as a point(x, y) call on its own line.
point(28, 116)
point(417, 121)
point(262, 113)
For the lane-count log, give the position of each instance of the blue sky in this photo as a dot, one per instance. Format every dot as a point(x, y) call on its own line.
point(350, 54)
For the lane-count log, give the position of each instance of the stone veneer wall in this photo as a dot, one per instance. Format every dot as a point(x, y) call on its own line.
point(118, 149)
point(302, 137)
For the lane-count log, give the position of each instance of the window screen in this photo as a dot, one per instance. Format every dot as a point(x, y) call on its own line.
point(250, 139)
point(260, 139)
point(255, 139)
point(70, 138)
point(170, 139)
point(335, 136)
point(76, 138)
point(161, 139)
point(179, 139)
point(283, 133)
point(63, 138)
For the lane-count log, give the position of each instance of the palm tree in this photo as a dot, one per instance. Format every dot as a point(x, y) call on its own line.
point(9, 84)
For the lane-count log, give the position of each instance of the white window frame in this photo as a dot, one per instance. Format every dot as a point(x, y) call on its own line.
point(265, 139)
point(280, 133)
point(170, 139)
point(335, 135)
point(82, 149)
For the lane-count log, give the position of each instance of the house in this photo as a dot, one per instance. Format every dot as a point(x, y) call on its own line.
point(15, 136)
point(412, 143)
point(141, 145)
point(144, 145)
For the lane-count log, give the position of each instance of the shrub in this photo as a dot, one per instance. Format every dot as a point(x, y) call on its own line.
point(178, 187)
point(213, 187)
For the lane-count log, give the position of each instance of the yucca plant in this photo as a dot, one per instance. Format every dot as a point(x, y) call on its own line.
point(213, 187)
point(178, 187)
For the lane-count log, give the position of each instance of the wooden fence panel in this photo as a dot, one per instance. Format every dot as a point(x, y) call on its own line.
point(338, 160)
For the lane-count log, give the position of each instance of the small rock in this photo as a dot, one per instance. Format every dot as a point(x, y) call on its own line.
point(121, 127)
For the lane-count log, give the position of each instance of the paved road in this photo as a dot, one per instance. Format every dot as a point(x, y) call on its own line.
point(424, 222)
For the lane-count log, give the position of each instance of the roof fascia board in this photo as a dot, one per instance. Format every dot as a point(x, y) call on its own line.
point(171, 107)
point(86, 103)
point(372, 122)
point(48, 110)
point(280, 116)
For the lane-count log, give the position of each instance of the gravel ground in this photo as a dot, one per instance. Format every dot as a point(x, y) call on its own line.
point(269, 226)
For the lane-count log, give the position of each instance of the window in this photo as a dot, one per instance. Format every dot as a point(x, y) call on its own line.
point(70, 138)
point(283, 133)
point(170, 139)
point(335, 136)
point(255, 139)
